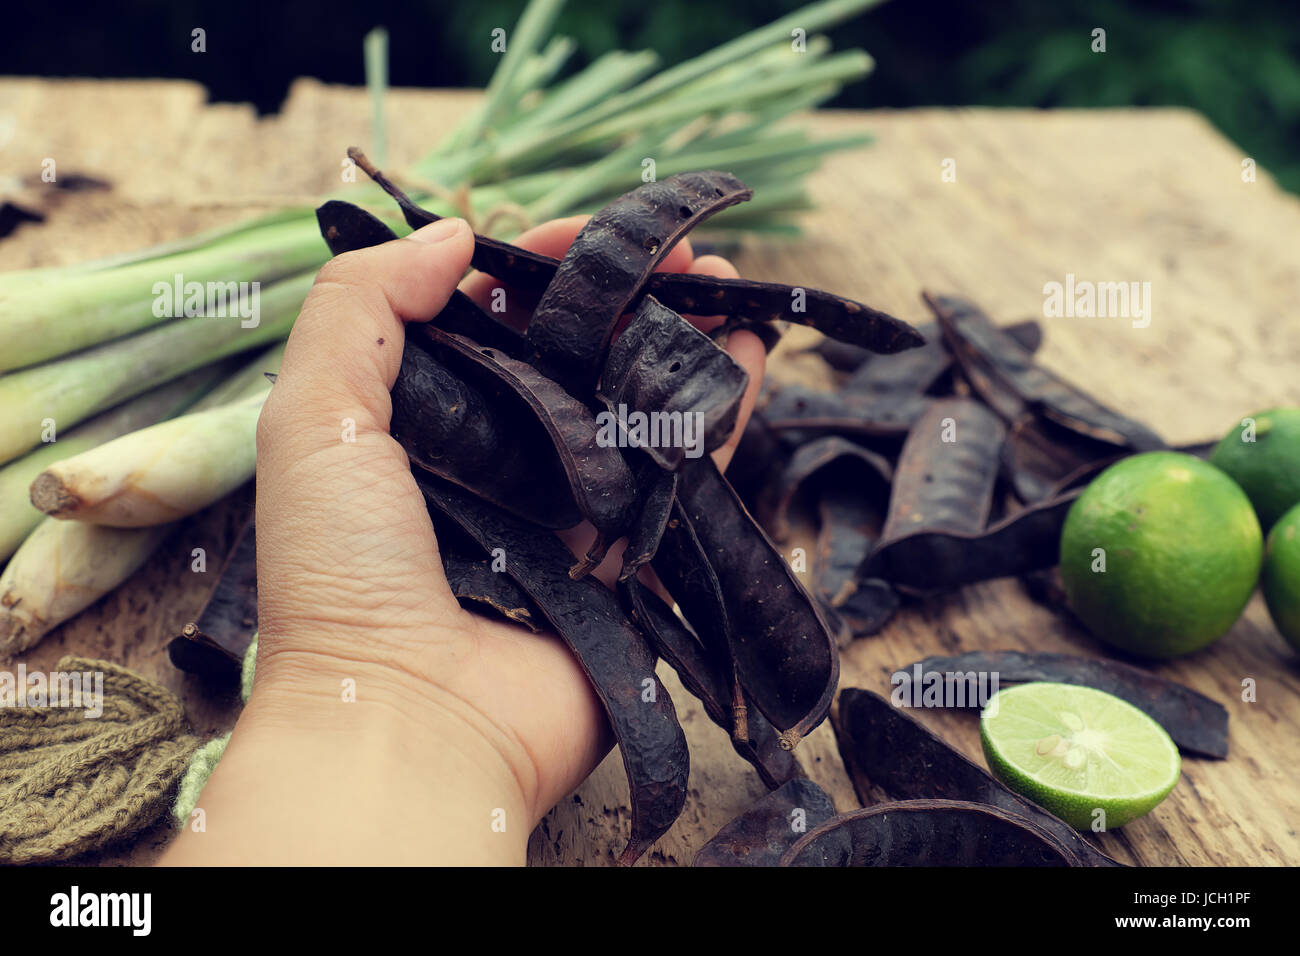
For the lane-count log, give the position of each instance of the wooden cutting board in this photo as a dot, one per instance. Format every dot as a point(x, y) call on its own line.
point(1029, 197)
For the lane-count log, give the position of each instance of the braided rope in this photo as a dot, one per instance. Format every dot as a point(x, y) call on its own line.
point(70, 784)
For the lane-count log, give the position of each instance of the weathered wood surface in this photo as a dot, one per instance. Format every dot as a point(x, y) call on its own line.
point(1153, 196)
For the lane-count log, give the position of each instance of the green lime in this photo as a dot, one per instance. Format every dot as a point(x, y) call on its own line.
point(1281, 577)
point(1262, 454)
point(1160, 554)
point(1076, 750)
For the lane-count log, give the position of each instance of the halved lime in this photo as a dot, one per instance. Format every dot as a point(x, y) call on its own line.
point(1094, 760)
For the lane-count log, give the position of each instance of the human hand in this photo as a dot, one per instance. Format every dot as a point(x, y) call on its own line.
point(470, 714)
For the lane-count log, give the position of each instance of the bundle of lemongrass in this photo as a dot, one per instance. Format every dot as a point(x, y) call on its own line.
point(93, 464)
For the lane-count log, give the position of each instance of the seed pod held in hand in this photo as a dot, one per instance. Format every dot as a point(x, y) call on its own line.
point(684, 653)
point(610, 260)
point(689, 294)
point(612, 652)
point(782, 645)
point(667, 370)
point(476, 434)
point(600, 482)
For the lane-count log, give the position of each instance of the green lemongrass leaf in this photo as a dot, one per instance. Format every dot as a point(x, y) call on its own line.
point(620, 171)
point(772, 60)
point(232, 231)
point(810, 19)
point(752, 125)
point(607, 74)
point(376, 56)
point(521, 189)
point(838, 68)
point(777, 228)
point(593, 127)
point(542, 67)
point(49, 312)
point(760, 154)
point(521, 43)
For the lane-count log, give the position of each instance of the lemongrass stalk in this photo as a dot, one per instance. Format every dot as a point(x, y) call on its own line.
point(838, 68)
point(810, 19)
point(158, 474)
point(61, 569)
point(375, 47)
point(40, 321)
point(521, 43)
point(605, 76)
point(621, 170)
point(49, 312)
point(755, 126)
point(574, 99)
point(629, 104)
point(512, 150)
point(251, 379)
point(17, 514)
point(541, 68)
point(198, 240)
point(69, 390)
point(766, 62)
point(136, 451)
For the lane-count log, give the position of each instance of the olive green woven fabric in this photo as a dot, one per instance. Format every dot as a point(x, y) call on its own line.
point(70, 784)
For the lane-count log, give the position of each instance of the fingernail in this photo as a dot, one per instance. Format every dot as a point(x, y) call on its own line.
point(440, 230)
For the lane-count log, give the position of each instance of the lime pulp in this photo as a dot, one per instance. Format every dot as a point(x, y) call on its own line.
point(1093, 760)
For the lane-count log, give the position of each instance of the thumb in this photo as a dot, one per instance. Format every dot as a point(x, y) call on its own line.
point(346, 346)
point(341, 528)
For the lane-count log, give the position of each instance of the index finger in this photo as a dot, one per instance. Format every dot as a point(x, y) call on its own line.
point(346, 346)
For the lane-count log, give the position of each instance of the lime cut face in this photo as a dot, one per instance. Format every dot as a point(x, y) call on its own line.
point(1095, 761)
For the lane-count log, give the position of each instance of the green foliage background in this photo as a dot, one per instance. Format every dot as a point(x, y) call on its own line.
point(1237, 62)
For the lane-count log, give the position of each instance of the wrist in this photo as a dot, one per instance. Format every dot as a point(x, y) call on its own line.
point(322, 738)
